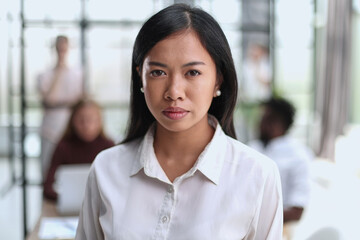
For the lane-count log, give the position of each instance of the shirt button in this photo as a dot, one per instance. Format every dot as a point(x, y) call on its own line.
point(171, 189)
point(164, 219)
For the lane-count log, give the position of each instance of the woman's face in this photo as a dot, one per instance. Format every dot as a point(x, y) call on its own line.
point(179, 80)
point(87, 123)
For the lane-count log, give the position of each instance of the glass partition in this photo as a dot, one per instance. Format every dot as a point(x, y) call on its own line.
point(294, 60)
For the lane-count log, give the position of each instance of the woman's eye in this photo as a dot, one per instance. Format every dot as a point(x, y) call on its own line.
point(157, 73)
point(193, 73)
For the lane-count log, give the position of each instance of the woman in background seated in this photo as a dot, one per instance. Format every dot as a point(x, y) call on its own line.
point(84, 138)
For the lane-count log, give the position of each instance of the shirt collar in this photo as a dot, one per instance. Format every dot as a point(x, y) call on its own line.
point(146, 158)
point(211, 160)
point(209, 163)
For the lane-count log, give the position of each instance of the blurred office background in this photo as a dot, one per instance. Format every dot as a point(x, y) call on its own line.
point(313, 50)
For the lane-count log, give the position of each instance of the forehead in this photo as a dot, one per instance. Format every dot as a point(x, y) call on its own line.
point(183, 44)
point(62, 41)
point(88, 109)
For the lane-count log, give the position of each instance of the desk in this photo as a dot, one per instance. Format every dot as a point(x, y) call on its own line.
point(48, 210)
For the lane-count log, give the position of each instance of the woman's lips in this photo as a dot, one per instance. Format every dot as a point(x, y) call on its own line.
point(175, 113)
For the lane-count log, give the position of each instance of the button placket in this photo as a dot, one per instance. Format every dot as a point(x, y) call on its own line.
point(170, 193)
point(165, 214)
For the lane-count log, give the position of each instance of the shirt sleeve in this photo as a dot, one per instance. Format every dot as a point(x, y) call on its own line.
point(268, 221)
point(299, 190)
point(89, 227)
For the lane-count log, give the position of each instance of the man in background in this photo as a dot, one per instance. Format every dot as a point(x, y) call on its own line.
point(291, 157)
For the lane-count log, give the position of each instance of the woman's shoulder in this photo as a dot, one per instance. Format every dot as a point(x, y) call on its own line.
point(246, 157)
point(248, 171)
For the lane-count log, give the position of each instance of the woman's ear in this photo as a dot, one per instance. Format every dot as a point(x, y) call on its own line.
point(141, 83)
point(219, 81)
point(138, 70)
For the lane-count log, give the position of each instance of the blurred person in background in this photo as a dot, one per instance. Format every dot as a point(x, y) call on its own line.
point(60, 87)
point(84, 138)
point(291, 157)
point(255, 86)
point(257, 74)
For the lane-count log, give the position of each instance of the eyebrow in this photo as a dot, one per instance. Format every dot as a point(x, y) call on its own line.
point(185, 65)
point(193, 63)
point(157, 64)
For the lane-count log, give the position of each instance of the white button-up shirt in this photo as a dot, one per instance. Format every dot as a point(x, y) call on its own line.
point(232, 192)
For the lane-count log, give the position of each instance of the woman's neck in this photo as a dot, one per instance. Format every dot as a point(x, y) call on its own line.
point(177, 152)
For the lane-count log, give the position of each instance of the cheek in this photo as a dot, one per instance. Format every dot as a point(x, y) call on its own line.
point(97, 127)
point(93, 124)
point(153, 92)
point(204, 91)
point(201, 99)
point(77, 125)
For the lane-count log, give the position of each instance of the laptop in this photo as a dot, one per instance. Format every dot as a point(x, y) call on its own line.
point(70, 185)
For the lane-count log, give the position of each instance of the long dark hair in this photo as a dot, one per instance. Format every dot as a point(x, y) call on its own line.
point(168, 21)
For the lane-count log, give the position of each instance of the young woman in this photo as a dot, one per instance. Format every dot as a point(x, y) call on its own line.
point(84, 138)
point(179, 173)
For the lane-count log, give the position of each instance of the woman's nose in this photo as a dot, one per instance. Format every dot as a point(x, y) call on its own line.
point(175, 89)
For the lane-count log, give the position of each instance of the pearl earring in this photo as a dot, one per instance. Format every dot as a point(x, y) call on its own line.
point(142, 90)
point(218, 93)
